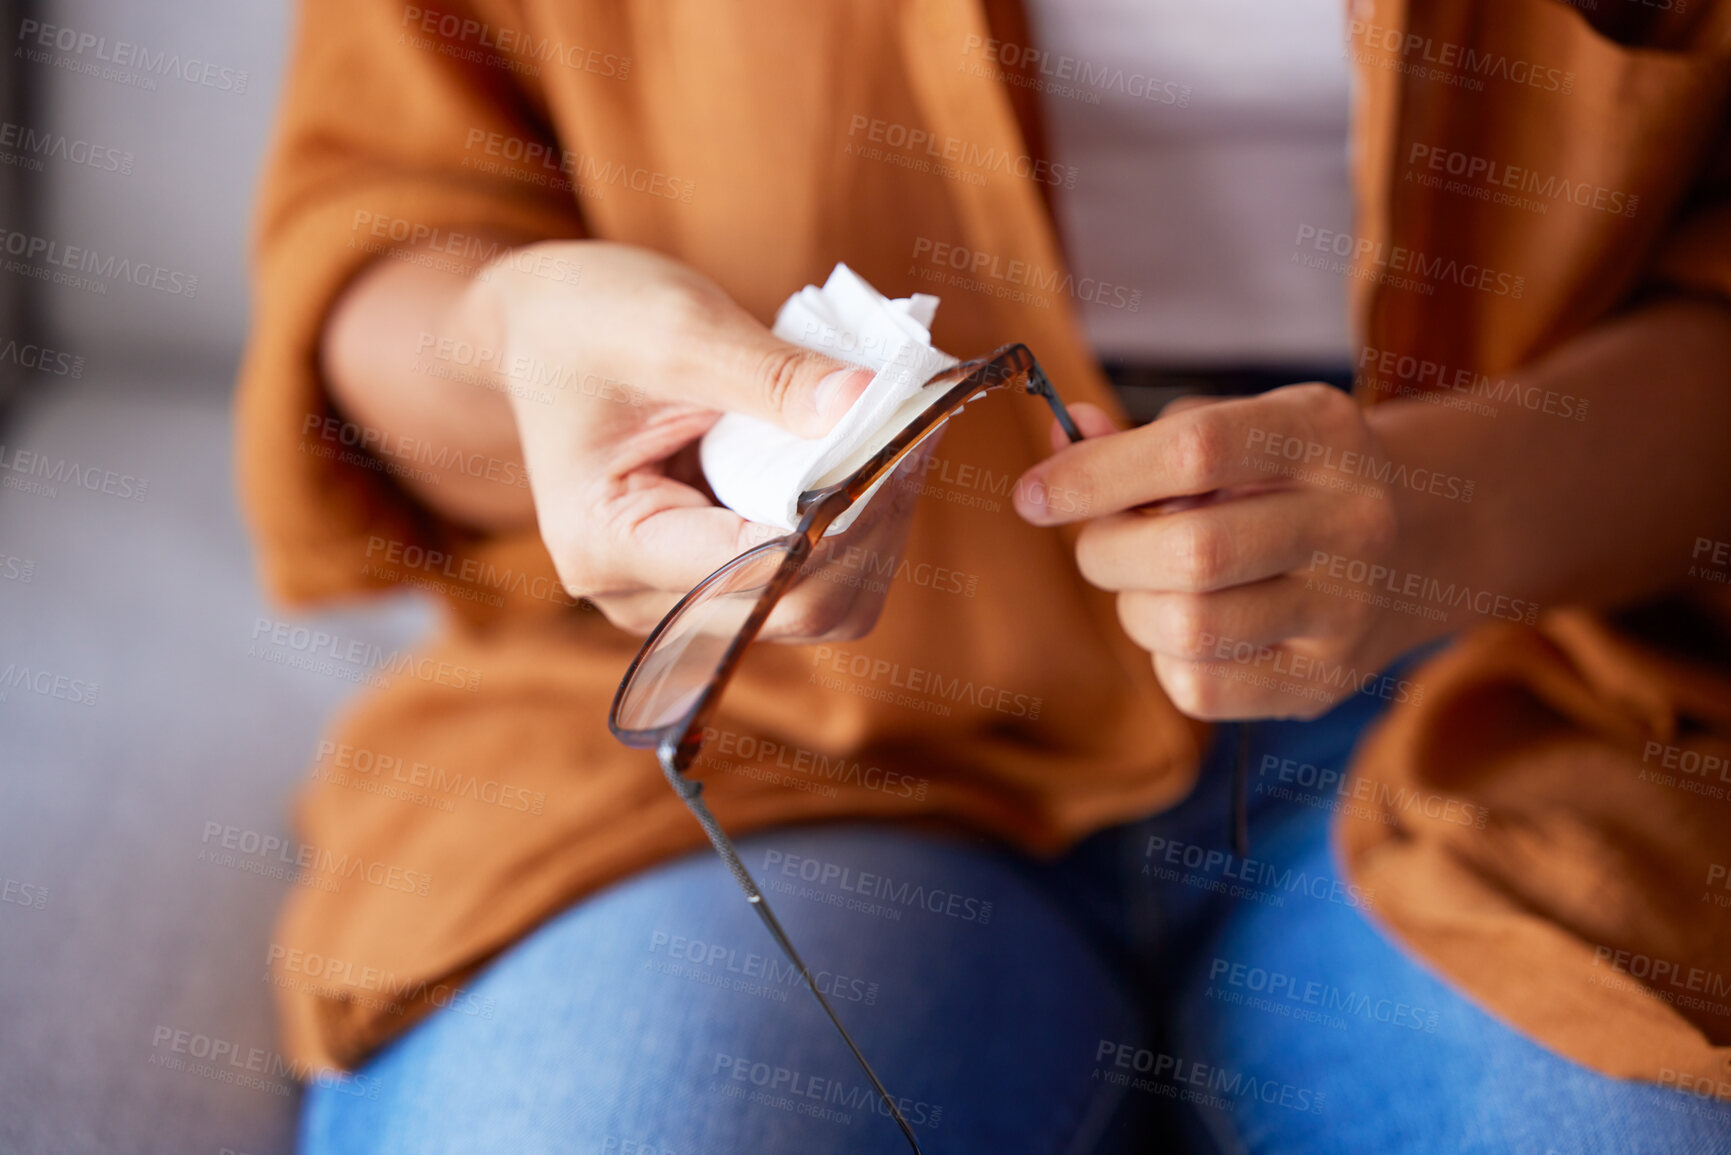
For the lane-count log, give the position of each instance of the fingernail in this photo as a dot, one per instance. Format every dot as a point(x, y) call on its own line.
point(836, 393)
point(1031, 498)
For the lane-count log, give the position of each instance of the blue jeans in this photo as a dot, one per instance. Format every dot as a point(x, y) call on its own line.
point(1144, 993)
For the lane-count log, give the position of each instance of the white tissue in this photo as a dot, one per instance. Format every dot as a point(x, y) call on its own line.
point(758, 470)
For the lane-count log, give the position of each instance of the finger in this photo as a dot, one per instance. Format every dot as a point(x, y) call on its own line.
point(1188, 401)
point(1203, 448)
point(1228, 691)
point(646, 532)
point(731, 362)
point(1092, 420)
point(636, 613)
point(1189, 626)
point(1224, 544)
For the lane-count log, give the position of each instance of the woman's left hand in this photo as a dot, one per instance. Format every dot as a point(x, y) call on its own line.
point(1218, 526)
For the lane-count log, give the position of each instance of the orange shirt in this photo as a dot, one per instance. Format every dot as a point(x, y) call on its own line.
point(480, 792)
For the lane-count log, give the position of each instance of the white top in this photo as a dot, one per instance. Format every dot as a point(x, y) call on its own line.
point(1204, 133)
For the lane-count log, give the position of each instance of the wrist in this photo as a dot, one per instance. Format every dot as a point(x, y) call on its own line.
point(1432, 581)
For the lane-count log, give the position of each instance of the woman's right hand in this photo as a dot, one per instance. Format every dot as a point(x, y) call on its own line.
point(650, 353)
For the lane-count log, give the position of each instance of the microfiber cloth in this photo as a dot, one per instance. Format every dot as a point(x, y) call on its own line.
point(758, 470)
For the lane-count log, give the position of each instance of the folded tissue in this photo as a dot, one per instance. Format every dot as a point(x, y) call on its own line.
point(759, 471)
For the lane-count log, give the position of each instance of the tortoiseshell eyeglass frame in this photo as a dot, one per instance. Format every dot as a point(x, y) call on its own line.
point(678, 742)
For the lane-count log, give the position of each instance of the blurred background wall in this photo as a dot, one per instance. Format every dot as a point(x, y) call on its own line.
point(135, 714)
point(196, 153)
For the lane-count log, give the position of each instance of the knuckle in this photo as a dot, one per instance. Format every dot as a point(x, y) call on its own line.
point(1189, 687)
point(1328, 413)
point(1198, 452)
point(625, 617)
point(803, 618)
point(577, 577)
point(1318, 396)
point(1096, 553)
point(776, 373)
point(571, 562)
point(1138, 620)
point(1187, 625)
point(1333, 616)
point(1375, 529)
point(1199, 553)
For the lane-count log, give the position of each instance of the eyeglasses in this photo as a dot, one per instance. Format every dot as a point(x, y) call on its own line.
point(675, 683)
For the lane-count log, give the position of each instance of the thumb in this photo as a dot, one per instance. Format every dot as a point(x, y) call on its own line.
point(800, 391)
point(1092, 420)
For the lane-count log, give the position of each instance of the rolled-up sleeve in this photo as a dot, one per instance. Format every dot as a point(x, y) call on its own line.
point(381, 141)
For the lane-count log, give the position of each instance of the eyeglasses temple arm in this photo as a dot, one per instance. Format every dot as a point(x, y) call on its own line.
point(692, 793)
point(1038, 383)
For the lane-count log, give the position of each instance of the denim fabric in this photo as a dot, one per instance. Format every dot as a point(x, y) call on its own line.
point(1147, 992)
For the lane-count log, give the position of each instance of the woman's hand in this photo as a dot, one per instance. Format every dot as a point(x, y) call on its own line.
point(1211, 524)
point(648, 354)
